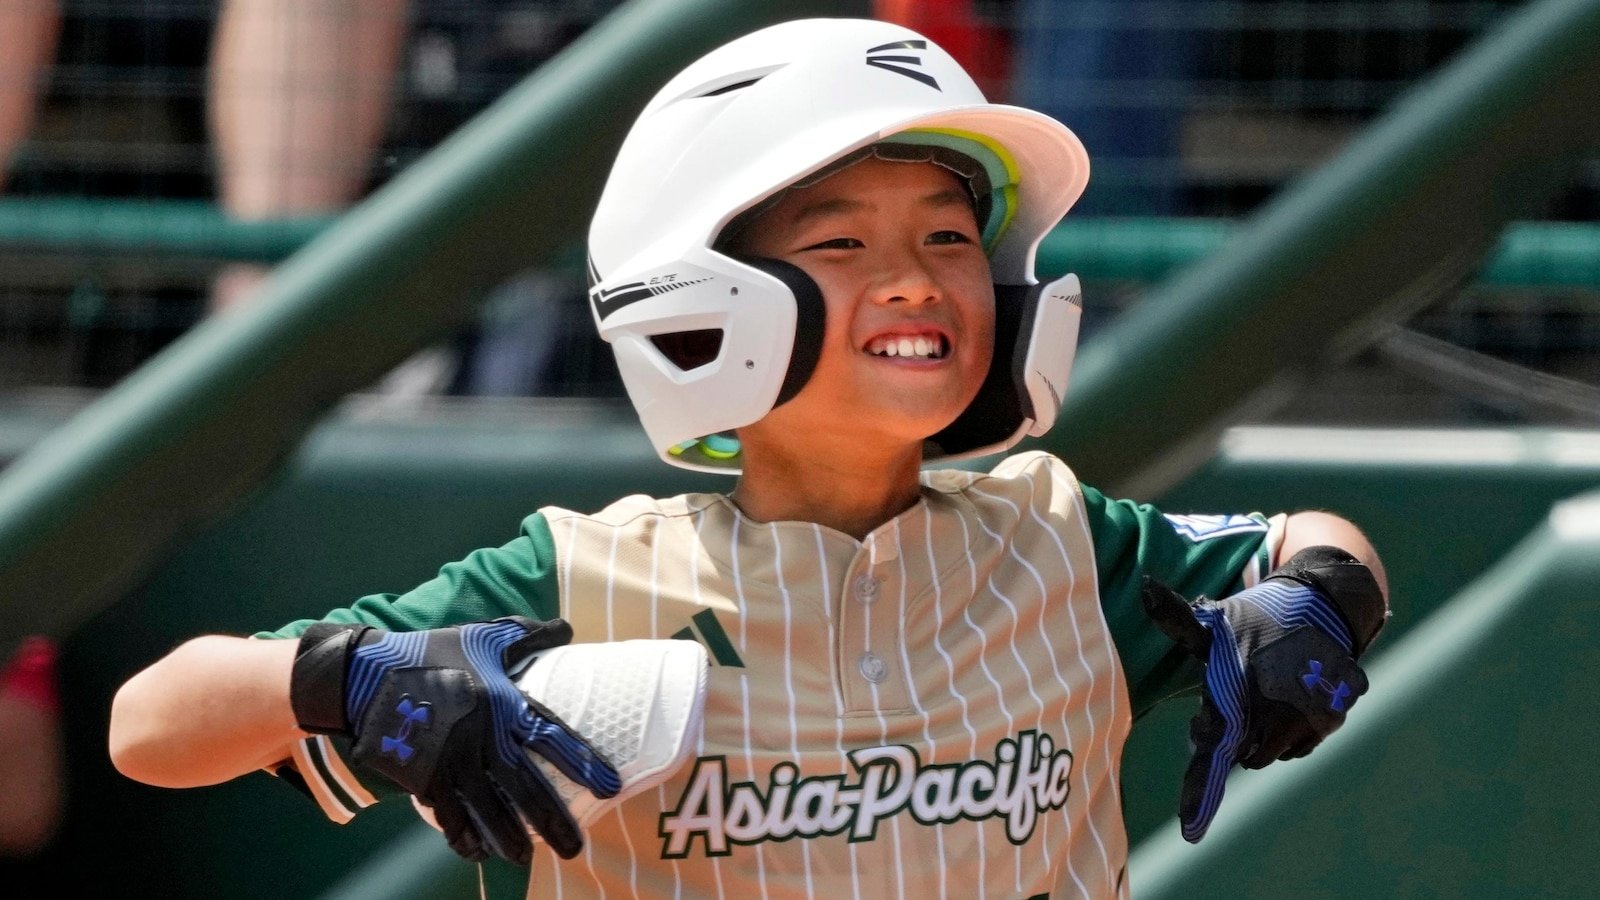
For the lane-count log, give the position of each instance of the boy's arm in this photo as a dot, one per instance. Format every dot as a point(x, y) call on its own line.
point(434, 711)
point(1197, 556)
point(1306, 585)
point(416, 686)
point(215, 708)
point(1314, 528)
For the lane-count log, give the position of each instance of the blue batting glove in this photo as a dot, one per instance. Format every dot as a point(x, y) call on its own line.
point(436, 713)
point(1280, 667)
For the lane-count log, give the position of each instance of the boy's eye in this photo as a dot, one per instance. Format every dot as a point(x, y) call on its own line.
point(843, 243)
point(948, 237)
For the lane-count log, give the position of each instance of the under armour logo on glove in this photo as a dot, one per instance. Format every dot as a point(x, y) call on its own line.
point(1314, 681)
point(411, 715)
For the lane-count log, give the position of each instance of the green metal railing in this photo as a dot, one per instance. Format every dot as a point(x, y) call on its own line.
point(1529, 254)
point(149, 231)
point(1481, 490)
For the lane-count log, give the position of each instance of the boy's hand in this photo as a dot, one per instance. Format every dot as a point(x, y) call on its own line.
point(1281, 670)
point(435, 712)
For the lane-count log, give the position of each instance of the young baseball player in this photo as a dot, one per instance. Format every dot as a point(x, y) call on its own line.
point(814, 260)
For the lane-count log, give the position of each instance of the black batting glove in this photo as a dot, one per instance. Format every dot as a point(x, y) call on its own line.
point(436, 713)
point(1281, 671)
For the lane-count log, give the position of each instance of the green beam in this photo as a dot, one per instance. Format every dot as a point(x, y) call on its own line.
point(1530, 254)
point(1466, 771)
point(148, 230)
point(202, 425)
point(1400, 218)
point(1561, 254)
point(1144, 250)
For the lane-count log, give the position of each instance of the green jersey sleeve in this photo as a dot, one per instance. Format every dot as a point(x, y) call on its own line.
point(518, 578)
point(1196, 555)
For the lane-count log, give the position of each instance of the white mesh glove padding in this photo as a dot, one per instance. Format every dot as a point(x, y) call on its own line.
point(638, 702)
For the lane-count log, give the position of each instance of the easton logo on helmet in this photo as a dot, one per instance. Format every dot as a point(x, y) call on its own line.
point(888, 63)
point(609, 300)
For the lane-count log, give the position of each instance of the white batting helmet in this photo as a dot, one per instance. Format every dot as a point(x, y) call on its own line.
point(707, 343)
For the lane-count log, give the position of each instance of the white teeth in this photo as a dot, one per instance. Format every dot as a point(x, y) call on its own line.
point(922, 347)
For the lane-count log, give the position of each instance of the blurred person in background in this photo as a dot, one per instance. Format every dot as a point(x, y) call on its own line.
point(1121, 73)
point(309, 105)
point(31, 751)
point(28, 30)
point(534, 335)
point(31, 765)
point(299, 101)
point(304, 97)
point(975, 32)
point(1118, 73)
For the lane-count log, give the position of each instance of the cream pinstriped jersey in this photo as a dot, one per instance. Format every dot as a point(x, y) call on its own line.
point(938, 710)
point(934, 711)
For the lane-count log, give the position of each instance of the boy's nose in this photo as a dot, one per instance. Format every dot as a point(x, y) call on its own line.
point(907, 281)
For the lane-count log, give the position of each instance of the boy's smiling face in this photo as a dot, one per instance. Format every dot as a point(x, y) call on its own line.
point(896, 250)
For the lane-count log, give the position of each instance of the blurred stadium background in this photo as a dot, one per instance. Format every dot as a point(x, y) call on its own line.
point(1251, 94)
point(1448, 421)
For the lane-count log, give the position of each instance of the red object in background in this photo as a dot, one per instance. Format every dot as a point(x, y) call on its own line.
point(982, 47)
point(30, 674)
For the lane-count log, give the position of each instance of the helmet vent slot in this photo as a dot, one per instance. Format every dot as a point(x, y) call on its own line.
point(730, 88)
point(689, 350)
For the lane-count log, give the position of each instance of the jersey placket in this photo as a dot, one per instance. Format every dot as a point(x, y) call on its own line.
point(872, 678)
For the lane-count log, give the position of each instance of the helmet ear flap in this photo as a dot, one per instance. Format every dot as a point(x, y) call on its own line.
point(1035, 337)
point(1002, 401)
point(810, 322)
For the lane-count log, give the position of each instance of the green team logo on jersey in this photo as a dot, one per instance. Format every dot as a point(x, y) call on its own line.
point(712, 637)
point(1025, 777)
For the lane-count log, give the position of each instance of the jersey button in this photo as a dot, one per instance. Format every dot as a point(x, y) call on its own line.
point(872, 668)
point(866, 588)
